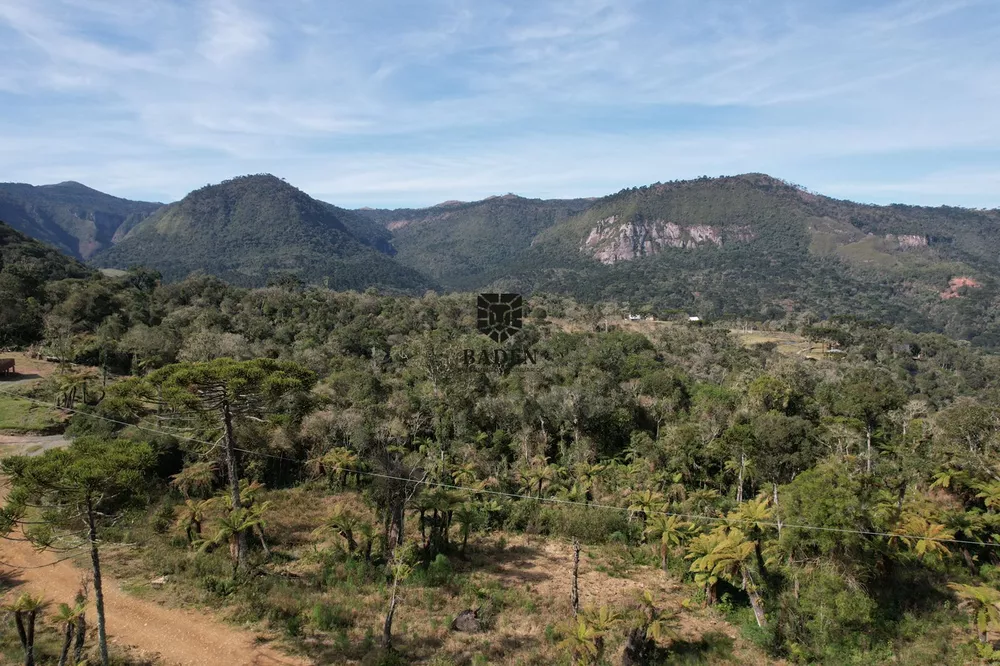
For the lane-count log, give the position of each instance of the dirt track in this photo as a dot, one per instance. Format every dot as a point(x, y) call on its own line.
point(174, 636)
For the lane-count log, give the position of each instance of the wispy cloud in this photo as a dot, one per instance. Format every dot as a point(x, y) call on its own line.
point(383, 102)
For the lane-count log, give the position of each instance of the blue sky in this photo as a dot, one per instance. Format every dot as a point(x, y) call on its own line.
point(395, 102)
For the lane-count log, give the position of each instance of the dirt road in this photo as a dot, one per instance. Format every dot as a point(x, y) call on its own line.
point(174, 636)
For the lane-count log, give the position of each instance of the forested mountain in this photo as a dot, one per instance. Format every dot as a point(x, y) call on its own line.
point(78, 220)
point(26, 267)
point(755, 246)
point(749, 246)
point(459, 243)
point(253, 228)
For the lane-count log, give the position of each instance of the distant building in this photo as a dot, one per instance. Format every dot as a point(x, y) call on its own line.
point(634, 317)
point(695, 320)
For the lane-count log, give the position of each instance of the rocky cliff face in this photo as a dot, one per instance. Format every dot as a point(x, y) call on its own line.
point(614, 240)
point(907, 241)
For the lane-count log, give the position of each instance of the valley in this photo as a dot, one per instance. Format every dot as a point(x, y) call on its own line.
point(767, 420)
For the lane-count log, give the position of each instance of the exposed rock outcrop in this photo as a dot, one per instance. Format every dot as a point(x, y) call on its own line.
point(614, 240)
point(907, 240)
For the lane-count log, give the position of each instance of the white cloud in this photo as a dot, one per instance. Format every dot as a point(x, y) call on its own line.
point(417, 102)
point(232, 32)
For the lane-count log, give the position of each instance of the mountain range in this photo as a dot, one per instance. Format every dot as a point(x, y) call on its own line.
point(748, 245)
point(72, 217)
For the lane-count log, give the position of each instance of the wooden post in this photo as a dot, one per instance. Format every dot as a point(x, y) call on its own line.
point(576, 577)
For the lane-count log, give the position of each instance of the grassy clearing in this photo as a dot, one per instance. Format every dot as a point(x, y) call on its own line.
point(787, 344)
point(328, 605)
point(21, 416)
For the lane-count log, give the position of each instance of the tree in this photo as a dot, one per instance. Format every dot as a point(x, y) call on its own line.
point(728, 558)
point(239, 521)
point(224, 391)
point(195, 479)
point(190, 516)
point(340, 461)
point(581, 642)
point(25, 610)
point(345, 523)
point(755, 516)
point(985, 604)
point(400, 572)
point(83, 486)
point(603, 621)
point(645, 502)
point(70, 617)
point(923, 537)
point(669, 531)
point(866, 394)
point(660, 623)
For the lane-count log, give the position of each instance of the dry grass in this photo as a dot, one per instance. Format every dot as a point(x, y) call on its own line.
point(331, 607)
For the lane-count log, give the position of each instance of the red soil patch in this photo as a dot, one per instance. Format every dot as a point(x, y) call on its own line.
point(956, 284)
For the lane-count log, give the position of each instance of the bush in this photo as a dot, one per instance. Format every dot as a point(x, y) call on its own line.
point(327, 617)
point(163, 519)
point(587, 525)
point(222, 587)
point(438, 572)
point(522, 516)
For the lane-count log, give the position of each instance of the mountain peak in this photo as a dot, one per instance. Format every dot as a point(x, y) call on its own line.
point(250, 227)
point(72, 185)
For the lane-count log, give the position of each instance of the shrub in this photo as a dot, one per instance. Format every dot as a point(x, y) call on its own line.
point(326, 617)
point(163, 519)
point(587, 525)
point(522, 516)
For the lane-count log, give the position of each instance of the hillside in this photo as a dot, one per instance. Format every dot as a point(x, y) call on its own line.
point(748, 246)
point(754, 246)
point(26, 266)
point(250, 228)
point(459, 243)
point(78, 220)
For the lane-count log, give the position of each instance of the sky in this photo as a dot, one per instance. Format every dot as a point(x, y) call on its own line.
point(391, 103)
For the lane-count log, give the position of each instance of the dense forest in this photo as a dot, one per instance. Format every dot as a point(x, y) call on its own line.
point(328, 465)
point(748, 246)
point(252, 229)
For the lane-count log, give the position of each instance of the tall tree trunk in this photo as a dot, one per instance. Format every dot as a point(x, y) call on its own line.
point(26, 642)
point(81, 636)
point(29, 658)
point(95, 559)
point(387, 626)
point(969, 562)
point(777, 518)
point(263, 541)
point(868, 448)
point(233, 472)
point(739, 484)
point(67, 643)
point(396, 513)
point(760, 558)
point(755, 600)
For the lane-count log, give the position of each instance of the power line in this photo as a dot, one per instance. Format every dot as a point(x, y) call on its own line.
point(551, 500)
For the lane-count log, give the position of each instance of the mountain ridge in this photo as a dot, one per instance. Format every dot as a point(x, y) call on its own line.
point(748, 245)
point(252, 228)
point(70, 216)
